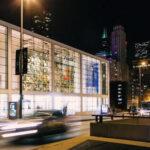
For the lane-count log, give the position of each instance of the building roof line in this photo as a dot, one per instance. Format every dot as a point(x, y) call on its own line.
point(9, 25)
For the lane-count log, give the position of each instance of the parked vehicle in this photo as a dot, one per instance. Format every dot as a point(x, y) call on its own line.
point(145, 109)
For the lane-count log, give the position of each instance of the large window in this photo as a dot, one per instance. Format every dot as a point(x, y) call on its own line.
point(73, 103)
point(90, 75)
point(67, 70)
point(38, 77)
point(3, 58)
point(90, 104)
point(32, 103)
point(3, 105)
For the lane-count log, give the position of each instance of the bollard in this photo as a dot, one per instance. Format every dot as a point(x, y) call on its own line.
point(101, 119)
point(123, 116)
point(96, 118)
point(112, 117)
point(133, 115)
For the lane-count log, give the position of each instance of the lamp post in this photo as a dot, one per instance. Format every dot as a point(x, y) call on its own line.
point(21, 55)
point(21, 61)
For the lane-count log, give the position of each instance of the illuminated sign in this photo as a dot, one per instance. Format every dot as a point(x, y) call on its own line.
point(92, 77)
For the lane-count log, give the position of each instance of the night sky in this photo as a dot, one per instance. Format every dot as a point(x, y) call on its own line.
point(79, 23)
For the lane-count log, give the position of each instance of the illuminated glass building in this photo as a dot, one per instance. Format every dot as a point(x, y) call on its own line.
point(58, 75)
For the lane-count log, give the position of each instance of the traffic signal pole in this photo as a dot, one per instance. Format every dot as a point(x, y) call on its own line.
point(21, 62)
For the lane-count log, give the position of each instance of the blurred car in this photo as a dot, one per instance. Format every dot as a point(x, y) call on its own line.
point(48, 113)
point(40, 124)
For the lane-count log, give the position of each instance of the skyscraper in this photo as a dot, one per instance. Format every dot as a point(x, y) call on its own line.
point(118, 68)
point(104, 45)
point(119, 51)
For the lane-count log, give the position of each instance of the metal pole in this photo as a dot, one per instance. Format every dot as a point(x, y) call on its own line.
point(21, 61)
point(140, 76)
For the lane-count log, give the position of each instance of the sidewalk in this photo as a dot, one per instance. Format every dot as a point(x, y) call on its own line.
point(72, 118)
point(68, 144)
point(78, 118)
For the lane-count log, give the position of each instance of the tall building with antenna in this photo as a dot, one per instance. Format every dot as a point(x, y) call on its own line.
point(114, 49)
point(104, 45)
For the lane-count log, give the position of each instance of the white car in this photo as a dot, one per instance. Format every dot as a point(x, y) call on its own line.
point(144, 112)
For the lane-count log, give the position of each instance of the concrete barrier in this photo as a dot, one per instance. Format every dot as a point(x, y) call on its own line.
point(135, 129)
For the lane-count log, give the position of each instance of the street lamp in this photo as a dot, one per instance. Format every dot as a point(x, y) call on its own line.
point(21, 61)
point(21, 57)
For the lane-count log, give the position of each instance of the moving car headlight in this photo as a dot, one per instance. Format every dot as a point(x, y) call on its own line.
point(15, 126)
point(141, 112)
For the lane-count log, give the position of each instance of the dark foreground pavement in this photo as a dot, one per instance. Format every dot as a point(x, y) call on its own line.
point(86, 142)
point(97, 145)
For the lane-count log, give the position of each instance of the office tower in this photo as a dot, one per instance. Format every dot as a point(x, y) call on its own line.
point(104, 50)
point(119, 51)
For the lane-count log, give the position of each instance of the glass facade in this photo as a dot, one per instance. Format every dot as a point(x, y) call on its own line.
point(90, 104)
point(90, 75)
point(32, 103)
point(58, 75)
point(3, 105)
point(66, 70)
point(73, 103)
point(38, 77)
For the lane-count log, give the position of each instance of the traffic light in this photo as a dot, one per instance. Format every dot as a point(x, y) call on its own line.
point(17, 62)
point(24, 62)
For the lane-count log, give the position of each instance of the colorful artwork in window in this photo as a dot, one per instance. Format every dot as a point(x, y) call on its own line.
point(66, 70)
point(37, 78)
point(90, 76)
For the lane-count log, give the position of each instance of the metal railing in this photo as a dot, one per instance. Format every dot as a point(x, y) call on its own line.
point(99, 118)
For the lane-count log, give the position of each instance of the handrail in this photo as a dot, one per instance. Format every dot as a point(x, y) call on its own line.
point(99, 118)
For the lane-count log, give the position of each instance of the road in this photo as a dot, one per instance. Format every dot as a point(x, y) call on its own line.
point(76, 129)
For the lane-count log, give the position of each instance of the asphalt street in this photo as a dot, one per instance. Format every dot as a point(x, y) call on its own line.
point(75, 129)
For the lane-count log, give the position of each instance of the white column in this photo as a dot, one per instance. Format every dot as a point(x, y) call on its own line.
point(9, 40)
